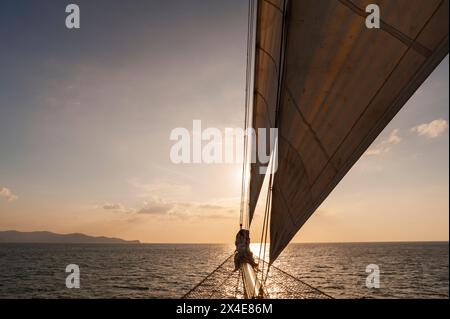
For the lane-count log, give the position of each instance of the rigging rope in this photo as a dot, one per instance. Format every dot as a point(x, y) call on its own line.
point(244, 220)
point(244, 163)
point(265, 230)
point(270, 186)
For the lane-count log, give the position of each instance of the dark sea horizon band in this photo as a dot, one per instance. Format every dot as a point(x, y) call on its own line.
point(147, 271)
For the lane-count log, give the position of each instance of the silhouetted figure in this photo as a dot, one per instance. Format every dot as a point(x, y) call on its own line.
point(243, 253)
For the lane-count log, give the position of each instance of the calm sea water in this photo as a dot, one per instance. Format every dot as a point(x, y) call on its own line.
point(408, 270)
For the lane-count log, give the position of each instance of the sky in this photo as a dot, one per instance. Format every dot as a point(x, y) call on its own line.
point(86, 115)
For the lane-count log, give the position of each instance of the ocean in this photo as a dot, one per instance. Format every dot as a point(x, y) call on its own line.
point(407, 270)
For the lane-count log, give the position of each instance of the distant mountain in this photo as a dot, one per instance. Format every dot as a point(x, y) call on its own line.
point(13, 236)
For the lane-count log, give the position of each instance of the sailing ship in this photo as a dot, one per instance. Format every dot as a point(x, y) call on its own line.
point(330, 85)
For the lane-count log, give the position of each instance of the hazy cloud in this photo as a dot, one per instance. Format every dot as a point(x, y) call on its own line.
point(156, 207)
point(8, 194)
point(211, 207)
point(168, 199)
point(160, 188)
point(112, 206)
point(431, 130)
point(159, 207)
point(386, 144)
point(116, 208)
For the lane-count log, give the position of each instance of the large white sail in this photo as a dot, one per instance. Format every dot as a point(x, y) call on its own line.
point(331, 85)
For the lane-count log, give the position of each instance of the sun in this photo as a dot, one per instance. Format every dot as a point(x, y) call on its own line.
point(236, 175)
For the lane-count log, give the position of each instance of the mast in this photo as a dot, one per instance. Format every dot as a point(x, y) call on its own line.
point(253, 287)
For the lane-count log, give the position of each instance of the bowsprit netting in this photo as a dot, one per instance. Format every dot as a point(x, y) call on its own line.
point(224, 283)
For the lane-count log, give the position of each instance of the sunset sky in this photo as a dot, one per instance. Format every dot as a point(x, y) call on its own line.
point(85, 119)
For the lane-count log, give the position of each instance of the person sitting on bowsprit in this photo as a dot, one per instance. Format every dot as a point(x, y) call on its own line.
point(242, 253)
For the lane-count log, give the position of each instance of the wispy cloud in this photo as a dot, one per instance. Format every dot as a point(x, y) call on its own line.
point(111, 206)
point(8, 194)
point(115, 208)
point(433, 129)
point(156, 207)
point(164, 199)
point(163, 189)
point(164, 208)
point(385, 145)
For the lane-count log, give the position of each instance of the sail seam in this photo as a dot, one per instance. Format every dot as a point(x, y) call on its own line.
point(275, 188)
point(273, 5)
point(266, 105)
point(399, 35)
point(316, 138)
point(270, 57)
point(299, 156)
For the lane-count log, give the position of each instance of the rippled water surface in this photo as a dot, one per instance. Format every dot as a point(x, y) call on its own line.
point(408, 270)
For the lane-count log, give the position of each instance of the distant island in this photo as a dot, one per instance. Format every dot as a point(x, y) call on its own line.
point(45, 237)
